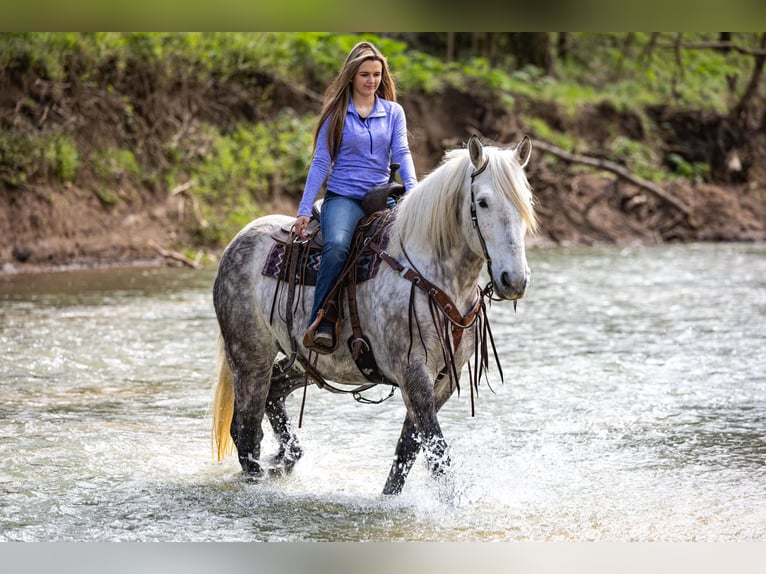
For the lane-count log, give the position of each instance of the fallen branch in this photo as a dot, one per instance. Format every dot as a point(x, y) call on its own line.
point(616, 169)
point(181, 188)
point(175, 255)
point(304, 91)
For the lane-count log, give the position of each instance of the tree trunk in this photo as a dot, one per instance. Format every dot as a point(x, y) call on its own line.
point(743, 108)
point(450, 46)
point(562, 46)
point(724, 37)
point(532, 48)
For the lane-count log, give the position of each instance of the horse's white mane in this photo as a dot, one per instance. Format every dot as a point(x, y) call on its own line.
point(429, 214)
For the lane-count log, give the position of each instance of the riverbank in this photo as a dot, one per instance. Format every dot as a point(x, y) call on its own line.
point(161, 164)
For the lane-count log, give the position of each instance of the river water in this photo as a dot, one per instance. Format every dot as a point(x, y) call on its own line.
point(633, 409)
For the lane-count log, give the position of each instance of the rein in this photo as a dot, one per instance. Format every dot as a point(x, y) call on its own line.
point(451, 332)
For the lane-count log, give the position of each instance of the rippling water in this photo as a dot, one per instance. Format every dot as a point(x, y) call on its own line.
point(633, 408)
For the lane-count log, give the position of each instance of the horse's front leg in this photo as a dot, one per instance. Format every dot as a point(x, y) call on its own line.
point(407, 450)
point(421, 429)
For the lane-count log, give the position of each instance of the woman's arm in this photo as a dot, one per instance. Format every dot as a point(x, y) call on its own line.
point(318, 172)
point(400, 148)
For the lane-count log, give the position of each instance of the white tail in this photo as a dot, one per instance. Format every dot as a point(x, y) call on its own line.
point(223, 407)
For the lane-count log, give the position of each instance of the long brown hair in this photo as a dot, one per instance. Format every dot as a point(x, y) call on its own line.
point(338, 93)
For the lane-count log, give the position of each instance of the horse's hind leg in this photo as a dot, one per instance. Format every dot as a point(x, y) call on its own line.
point(250, 353)
point(251, 386)
point(282, 384)
point(249, 344)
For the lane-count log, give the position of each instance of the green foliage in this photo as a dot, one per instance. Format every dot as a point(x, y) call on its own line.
point(112, 164)
point(108, 197)
point(619, 65)
point(641, 68)
point(244, 169)
point(22, 157)
point(695, 171)
point(61, 157)
point(541, 130)
point(17, 158)
point(637, 156)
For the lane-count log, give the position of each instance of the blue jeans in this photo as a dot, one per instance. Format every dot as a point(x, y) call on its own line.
point(340, 216)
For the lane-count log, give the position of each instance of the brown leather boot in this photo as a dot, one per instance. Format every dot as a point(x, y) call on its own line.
point(320, 337)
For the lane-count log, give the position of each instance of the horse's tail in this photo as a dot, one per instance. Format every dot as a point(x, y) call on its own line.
point(223, 407)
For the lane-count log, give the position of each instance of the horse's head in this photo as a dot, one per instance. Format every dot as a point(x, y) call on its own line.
point(477, 204)
point(501, 213)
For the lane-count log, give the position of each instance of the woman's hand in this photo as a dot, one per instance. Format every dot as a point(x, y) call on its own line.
point(301, 226)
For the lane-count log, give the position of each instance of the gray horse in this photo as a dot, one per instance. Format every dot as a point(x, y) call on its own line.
point(473, 210)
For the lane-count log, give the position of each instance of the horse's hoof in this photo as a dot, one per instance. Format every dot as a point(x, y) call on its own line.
point(289, 464)
point(255, 479)
point(281, 465)
point(393, 489)
point(250, 466)
point(277, 471)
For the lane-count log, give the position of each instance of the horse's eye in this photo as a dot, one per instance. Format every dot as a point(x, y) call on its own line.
point(482, 203)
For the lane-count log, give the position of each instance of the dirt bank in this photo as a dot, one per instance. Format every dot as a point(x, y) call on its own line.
point(41, 229)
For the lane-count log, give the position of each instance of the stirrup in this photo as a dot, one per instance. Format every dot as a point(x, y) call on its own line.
point(309, 338)
point(324, 338)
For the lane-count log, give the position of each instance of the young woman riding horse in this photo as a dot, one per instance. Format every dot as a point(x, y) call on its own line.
point(472, 212)
point(361, 131)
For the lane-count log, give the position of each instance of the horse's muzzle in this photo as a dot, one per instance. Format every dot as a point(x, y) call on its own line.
point(512, 285)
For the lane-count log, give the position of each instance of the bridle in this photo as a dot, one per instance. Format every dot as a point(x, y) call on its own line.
point(489, 289)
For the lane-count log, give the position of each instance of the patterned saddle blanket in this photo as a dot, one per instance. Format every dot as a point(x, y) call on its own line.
point(309, 253)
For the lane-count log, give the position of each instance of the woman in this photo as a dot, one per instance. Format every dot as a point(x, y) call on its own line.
point(361, 131)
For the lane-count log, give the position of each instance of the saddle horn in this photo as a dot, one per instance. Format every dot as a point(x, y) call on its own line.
point(375, 199)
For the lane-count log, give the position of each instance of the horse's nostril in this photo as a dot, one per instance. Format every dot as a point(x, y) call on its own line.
point(517, 284)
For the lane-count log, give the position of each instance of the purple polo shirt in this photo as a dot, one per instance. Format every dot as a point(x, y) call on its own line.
point(367, 149)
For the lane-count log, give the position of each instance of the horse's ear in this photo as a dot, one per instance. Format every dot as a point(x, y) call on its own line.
point(476, 150)
point(523, 151)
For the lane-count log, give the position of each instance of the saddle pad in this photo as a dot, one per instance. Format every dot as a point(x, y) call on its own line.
point(277, 265)
point(310, 255)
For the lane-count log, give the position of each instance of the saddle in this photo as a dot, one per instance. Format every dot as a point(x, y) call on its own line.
point(376, 199)
point(305, 255)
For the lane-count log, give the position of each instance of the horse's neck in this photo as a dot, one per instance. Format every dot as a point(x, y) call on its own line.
point(442, 255)
point(457, 273)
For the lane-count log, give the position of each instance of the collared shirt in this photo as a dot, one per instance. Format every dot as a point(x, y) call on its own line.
point(367, 149)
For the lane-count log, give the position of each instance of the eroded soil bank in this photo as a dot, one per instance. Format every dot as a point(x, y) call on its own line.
point(42, 228)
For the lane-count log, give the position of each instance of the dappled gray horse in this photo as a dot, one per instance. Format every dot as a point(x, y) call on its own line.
point(473, 210)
